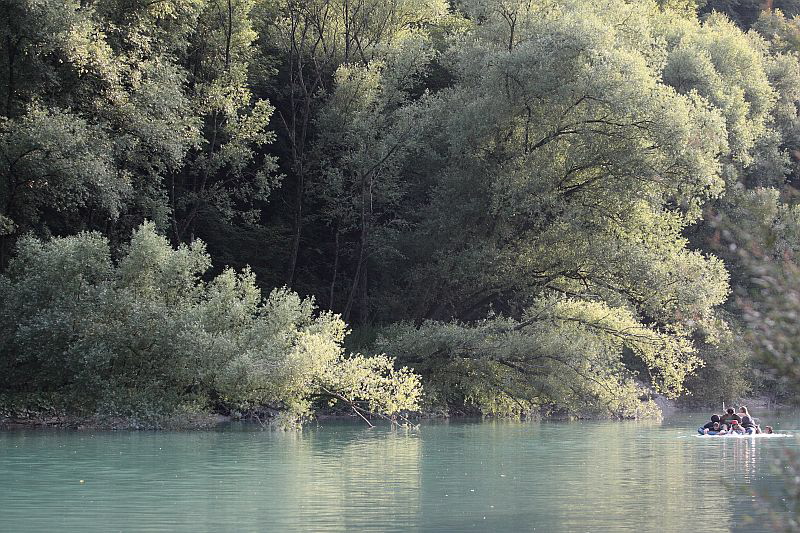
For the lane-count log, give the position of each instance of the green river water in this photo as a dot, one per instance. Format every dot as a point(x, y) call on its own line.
point(340, 476)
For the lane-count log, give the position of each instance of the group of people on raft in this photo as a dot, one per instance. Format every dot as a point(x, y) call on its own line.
point(733, 423)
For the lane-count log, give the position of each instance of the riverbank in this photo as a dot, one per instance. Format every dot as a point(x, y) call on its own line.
point(264, 417)
point(188, 421)
point(754, 404)
point(198, 421)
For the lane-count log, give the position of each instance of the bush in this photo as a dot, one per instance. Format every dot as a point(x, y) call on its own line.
point(145, 335)
point(564, 358)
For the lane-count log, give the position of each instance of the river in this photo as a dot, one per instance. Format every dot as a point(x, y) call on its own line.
point(341, 476)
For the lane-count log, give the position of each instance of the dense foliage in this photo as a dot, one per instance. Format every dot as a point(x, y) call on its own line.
point(522, 200)
point(145, 335)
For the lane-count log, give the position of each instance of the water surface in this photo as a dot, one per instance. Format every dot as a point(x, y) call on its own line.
point(339, 476)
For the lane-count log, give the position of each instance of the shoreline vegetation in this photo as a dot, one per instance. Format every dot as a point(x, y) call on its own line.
point(269, 418)
point(480, 206)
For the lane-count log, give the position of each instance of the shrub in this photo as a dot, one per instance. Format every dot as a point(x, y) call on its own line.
point(145, 335)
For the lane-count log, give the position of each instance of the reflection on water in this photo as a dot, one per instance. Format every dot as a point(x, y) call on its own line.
point(490, 476)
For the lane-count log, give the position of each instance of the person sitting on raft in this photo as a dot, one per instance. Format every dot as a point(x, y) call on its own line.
point(711, 428)
point(729, 416)
point(736, 428)
point(747, 423)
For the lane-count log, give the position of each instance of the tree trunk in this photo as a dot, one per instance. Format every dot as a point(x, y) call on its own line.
point(297, 228)
point(358, 287)
point(363, 303)
point(366, 218)
point(349, 306)
point(228, 37)
point(11, 83)
point(4, 255)
point(335, 268)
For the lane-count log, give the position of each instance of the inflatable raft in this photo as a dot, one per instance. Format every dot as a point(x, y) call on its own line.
point(740, 435)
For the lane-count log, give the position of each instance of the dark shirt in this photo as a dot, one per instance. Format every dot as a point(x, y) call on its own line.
point(747, 422)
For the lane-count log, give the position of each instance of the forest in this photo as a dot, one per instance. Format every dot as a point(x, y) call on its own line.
point(499, 207)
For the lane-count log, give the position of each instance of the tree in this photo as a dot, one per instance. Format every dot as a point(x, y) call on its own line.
point(368, 128)
point(147, 113)
point(316, 38)
point(226, 173)
point(575, 169)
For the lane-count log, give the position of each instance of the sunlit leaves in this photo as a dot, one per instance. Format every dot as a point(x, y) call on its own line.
point(147, 331)
point(564, 357)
